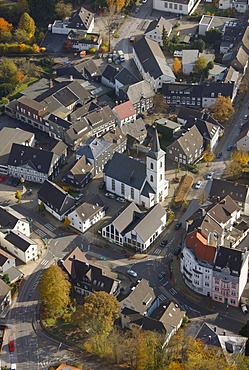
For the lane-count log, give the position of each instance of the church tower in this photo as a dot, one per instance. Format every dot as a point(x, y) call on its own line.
point(155, 169)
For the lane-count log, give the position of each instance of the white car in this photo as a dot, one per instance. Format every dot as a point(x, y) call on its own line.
point(120, 199)
point(246, 116)
point(131, 273)
point(144, 1)
point(110, 195)
point(198, 184)
point(209, 175)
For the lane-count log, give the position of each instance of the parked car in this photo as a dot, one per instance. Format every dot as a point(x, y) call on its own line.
point(246, 116)
point(11, 346)
point(176, 180)
point(132, 39)
point(209, 175)
point(102, 185)
point(79, 196)
point(150, 112)
point(164, 243)
point(110, 195)
point(219, 155)
point(198, 184)
point(243, 305)
point(120, 199)
point(178, 225)
point(229, 148)
point(177, 251)
point(131, 273)
point(161, 275)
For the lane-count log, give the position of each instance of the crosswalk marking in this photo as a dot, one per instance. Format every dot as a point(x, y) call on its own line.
point(44, 262)
point(162, 297)
point(172, 291)
point(40, 233)
point(157, 251)
point(50, 227)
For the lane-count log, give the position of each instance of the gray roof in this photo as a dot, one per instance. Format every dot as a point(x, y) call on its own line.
point(221, 188)
point(152, 58)
point(133, 172)
point(138, 91)
point(189, 142)
point(241, 60)
point(222, 211)
point(230, 258)
point(93, 148)
point(39, 160)
point(135, 129)
point(14, 274)
point(19, 240)
point(110, 72)
point(158, 24)
point(55, 197)
point(4, 290)
point(89, 208)
point(81, 169)
point(59, 148)
point(125, 77)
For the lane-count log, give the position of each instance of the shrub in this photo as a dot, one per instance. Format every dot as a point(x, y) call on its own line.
point(6, 89)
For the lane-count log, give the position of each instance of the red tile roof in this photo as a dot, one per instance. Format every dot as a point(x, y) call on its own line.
point(125, 110)
point(201, 249)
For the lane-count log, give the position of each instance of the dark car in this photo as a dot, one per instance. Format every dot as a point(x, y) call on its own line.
point(164, 243)
point(176, 180)
point(141, 115)
point(178, 225)
point(177, 251)
point(219, 155)
point(102, 185)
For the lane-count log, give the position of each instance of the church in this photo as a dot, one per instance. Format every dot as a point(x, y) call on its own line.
point(141, 183)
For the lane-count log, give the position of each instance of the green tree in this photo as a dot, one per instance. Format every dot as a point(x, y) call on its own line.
point(6, 278)
point(27, 24)
point(8, 71)
point(6, 89)
point(54, 289)
point(200, 65)
point(42, 11)
point(213, 36)
point(21, 36)
point(165, 39)
point(175, 39)
point(41, 207)
point(63, 10)
point(22, 6)
point(199, 44)
point(222, 110)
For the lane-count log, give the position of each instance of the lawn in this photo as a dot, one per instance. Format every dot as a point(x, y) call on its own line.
point(183, 190)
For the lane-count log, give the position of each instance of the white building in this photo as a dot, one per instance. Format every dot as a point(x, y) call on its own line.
point(176, 6)
point(154, 30)
point(240, 6)
point(152, 63)
point(143, 184)
point(87, 214)
point(13, 220)
point(22, 247)
point(125, 113)
point(136, 229)
point(81, 20)
point(6, 261)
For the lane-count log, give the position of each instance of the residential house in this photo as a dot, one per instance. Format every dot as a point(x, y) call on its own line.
point(229, 275)
point(9, 136)
point(32, 164)
point(123, 78)
point(186, 113)
point(87, 214)
point(20, 246)
point(134, 228)
point(245, 40)
point(81, 20)
point(210, 132)
point(86, 70)
point(184, 7)
point(168, 128)
point(117, 138)
point(140, 94)
point(84, 41)
point(226, 342)
point(10, 219)
point(238, 192)
point(242, 143)
point(240, 63)
point(154, 31)
point(61, 150)
point(6, 261)
point(108, 75)
point(56, 201)
point(240, 6)
point(125, 113)
point(135, 132)
point(208, 22)
point(5, 297)
point(187, 148)
point(142, 183)
point(80, 173)
point(189, 58)
point(151, 63)
point(87, 278)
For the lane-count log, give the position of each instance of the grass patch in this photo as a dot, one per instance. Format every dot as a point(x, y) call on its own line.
point(210, 8)
point(20, 87)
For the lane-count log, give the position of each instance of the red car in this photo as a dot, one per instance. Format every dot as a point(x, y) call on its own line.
point(176, 180)
point(2, 178)
point(11, 346)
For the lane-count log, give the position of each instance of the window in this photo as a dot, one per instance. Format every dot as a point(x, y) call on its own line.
point(151, 166)
point(166, 5)
point(170, 5)
point(161, 177)
point(151, 178)
point(113, 185)
point(122, 189)
point(132, 193)
point(175, 6)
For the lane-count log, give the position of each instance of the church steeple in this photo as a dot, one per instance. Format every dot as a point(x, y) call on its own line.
point(156, 152)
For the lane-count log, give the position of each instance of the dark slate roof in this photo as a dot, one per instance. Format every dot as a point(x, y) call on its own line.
point(187, 113)
point(66, 97)
point(179, 88)
point(230, 258)
point(59, 121)
point(125, 77)
point(87, 67)
point(55, 197)
point(7, 219)
point(39, 160)
point(221, 188)
point(133, 172)
point(110, 73)
point(81, 19)
point(156, 152)
point(147, 189)
point(19, 240)
point(217, 88)
point(4, 256)
point(158, 24)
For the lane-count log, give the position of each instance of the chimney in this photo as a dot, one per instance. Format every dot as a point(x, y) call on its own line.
point(215, 329)
point(224, 332)
point(51, 84)
point(71, 77)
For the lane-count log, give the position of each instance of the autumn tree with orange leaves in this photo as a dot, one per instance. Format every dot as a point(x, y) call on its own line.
point(116, 4)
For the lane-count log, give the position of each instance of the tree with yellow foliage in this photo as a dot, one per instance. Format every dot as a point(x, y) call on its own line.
point(116, 4)
point(208, 155)
point(222, 110)
point(177, 65)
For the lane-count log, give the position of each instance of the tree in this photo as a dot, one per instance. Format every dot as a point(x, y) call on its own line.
point(6, 278)
point(213, 36)
point(42, 11)
point(6, 89)
point(160, 105)
point(41, 207)
point(5, 26)
point(67, 221)
point(242, 158)
point(175, 39)
point(222, 110)
point(8, 71)
point(210, 65)
point(22, 6)
point(233, 170)
point(116, 4)
point(18, 195)
point(63, 10)
point(200, 65)
point(165, 39)
point(199, 44)
point(177, 65)
point(208, 155)
point(54, 289)
point(21, 36)
point(27, 24)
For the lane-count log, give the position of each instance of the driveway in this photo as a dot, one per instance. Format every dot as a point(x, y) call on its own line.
point(53, 42)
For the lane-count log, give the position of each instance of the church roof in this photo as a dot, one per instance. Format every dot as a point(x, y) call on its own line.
point(156, 151)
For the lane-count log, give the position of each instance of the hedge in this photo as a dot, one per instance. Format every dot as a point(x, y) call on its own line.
point(16, 48)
